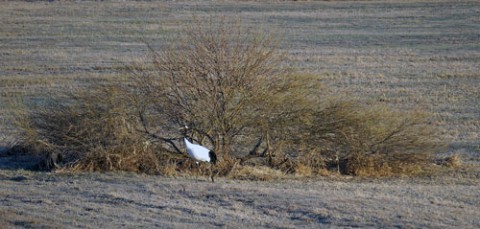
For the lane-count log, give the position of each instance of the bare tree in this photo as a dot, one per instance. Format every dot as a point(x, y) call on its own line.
point(215, 78)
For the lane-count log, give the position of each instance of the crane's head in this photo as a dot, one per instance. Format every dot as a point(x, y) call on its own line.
point(184, 130)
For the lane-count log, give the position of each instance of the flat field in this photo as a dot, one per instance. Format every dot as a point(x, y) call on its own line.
point(45, 200)
point(407, 54)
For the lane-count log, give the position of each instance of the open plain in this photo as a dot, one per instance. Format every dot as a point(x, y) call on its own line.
point(43, 200)
point(406, 54)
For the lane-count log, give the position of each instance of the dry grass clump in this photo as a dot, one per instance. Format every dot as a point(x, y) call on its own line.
point(168, 169)
point(226, 165)
point(387, 165)
point(303, 171)
point(122, 158)
point(453, 161)
point(262, 173)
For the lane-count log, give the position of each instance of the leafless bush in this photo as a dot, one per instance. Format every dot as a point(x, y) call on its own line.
point(92, 129)
point(376, 138)
point(215, 78)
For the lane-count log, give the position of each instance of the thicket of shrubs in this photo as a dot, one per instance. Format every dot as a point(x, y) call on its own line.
point(237, 92)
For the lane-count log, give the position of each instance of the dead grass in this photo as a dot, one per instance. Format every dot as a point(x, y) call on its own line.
point(261, 173)
point(87, 200)
point(168, 169)
point(453, 161)
point(385, 166)
point(123, 158)
point(303, 171)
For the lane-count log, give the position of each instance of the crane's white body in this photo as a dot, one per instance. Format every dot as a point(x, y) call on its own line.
point(197, 152)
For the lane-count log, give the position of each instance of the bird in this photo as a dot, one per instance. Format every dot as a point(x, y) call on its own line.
point(200, 154)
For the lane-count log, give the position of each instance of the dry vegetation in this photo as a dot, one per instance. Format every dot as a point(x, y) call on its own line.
point(370, 89)
point(233, 87)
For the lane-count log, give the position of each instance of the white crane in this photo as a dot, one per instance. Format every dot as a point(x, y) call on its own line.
point(200, 153)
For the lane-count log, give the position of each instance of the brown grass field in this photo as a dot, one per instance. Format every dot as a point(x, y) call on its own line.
point(406, 54)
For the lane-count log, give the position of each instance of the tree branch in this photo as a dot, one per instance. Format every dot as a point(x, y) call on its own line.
point(170, 141)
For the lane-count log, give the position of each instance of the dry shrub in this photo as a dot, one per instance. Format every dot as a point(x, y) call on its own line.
point(371, 140)
point(380, 165)
point(324, 133)
point(215, 77)
point(261, 173)
point(92, 129)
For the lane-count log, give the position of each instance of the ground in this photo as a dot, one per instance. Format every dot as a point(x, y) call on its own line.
point(406, 54)
point(113, 200)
